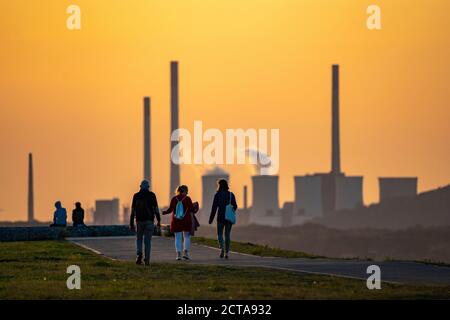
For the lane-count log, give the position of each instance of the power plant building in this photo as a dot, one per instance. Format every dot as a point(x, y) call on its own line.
point(308, 195)
point(349, 192)
point(209, 188)
point(397, 187)
point(107, 212)
point(265, 208)
point(321, 193)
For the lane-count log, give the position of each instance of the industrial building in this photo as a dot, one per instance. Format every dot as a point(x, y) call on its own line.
point(265, 208)
point(349, 192)
point(308, 195)
point(321, 193)
point(209, 188)
point(107, 212)
point(393, 187)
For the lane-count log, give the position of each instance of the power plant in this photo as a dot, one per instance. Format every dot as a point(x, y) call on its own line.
point(266, 208)
point(323, 193)
point(397, 187)
point(107, 212)
point(209, 187)
point(315, 194)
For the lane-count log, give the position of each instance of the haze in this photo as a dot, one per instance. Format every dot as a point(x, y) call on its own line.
point(74, 98)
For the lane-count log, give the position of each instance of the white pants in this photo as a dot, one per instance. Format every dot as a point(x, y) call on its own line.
point(179, 241)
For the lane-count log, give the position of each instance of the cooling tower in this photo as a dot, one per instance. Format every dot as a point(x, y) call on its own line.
point(265, 197)
point(107, 212)
point(209, 188)
point(397, 187)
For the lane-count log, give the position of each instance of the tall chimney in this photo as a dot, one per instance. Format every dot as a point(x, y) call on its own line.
point(245, 198)
point(336, 153)
point(147, 141)
point(174, 168)
point(30, 189)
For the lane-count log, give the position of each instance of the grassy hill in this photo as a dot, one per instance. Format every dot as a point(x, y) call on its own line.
point(37, 270)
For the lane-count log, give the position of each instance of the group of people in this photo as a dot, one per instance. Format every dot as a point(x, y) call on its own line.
point(60, 215)
point(145, 210)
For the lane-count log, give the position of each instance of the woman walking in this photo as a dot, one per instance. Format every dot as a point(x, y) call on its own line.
point(182, 210)
point(222, 199)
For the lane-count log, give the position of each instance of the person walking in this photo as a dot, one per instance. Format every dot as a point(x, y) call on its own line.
point(182, 222)
point(78, 215)
point(222, 199)
point(59, 216)
point(144, 209)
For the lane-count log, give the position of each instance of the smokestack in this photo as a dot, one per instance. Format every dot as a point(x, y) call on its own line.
point(174, 168)
point(30, 189)
point(336, 152)
point(245, 198)
point(147, 150)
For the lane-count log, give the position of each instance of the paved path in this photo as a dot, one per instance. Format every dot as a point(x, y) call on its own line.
point(123, 248)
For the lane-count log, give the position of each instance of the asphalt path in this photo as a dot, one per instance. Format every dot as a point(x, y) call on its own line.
point(163, 250)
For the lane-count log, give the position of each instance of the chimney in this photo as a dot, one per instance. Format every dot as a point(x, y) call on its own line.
point(30, 189)
point(336, 153)
point(147, 150)
point(174, 168)
point(245, 198)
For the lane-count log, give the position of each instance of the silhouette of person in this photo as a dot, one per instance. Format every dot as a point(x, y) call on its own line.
point(60, 216)
point(222, 199)
point(78, 215)
point(182, 223)
point(144, 209)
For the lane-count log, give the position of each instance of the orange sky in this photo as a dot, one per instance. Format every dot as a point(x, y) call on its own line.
point(74, 98)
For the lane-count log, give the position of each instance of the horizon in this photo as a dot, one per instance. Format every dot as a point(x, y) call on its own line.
point(74, 98)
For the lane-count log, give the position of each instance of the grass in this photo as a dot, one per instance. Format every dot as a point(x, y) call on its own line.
point(256, 249)
point(37, 270)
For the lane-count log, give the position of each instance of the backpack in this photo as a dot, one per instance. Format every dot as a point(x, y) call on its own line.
point(230, 215)
point(179, 210)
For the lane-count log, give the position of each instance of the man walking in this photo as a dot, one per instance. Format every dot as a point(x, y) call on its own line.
point(144, 208)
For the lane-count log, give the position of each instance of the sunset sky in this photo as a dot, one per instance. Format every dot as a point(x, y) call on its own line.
point(74, 98)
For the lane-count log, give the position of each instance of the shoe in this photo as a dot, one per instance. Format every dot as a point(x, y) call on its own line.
point(147, 262)
point(178, 255)
point(221, 254)
point(186, 255)
point(139, 259)
point(226, 255)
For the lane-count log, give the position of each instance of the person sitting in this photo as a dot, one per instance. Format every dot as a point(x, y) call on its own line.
point(78, 215)
point(60, 216)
